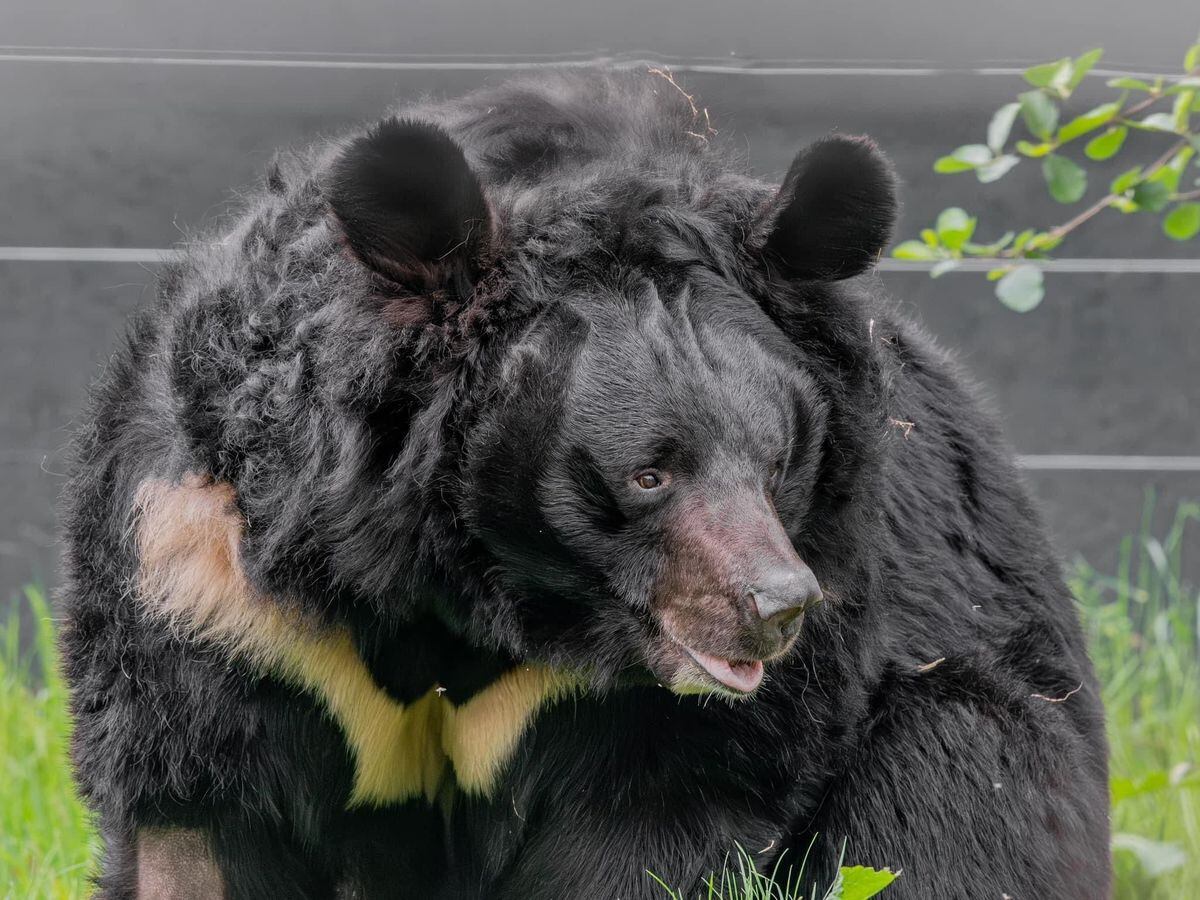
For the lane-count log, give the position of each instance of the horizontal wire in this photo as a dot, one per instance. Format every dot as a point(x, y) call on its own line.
point(1033, 462)
point(1091, 462)
point(492, 62)
point(1084, 266)
point(1097, 266)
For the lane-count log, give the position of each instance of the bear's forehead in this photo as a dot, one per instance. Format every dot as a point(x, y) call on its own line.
point(687, 364)
point(669, 216)
point(682, 319)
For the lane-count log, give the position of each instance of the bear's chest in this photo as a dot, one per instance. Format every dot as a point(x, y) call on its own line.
point(408, 741)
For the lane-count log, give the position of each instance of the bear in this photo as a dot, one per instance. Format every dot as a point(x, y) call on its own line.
point(519, 497)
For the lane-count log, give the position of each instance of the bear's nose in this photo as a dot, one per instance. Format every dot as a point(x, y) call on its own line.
point(781, 595)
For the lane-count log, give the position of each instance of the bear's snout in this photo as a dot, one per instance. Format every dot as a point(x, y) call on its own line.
point(732, 589)
point(780, 597)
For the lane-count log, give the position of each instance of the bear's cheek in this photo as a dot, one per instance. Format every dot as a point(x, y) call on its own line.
point(704, 621)
point(668, 662)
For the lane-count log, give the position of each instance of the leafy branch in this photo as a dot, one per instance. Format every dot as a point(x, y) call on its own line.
point(1163, 107)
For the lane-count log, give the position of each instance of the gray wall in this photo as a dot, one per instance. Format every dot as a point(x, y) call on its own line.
point(138, 148)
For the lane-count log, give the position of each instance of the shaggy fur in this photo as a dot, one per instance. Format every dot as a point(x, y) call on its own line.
point(586, 401)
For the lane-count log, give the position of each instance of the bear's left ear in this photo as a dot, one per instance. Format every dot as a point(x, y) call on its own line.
point(834, 213)
point(410, 205)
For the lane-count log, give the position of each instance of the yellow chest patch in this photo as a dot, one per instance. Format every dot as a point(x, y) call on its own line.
point(405, 750)
point(188, 537)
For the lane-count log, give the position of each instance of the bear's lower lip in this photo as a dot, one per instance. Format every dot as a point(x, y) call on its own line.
point(740, 676)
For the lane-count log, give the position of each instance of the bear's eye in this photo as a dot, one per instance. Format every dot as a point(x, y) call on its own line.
point(648, 481)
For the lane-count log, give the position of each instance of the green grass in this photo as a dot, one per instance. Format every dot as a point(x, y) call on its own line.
point(741, 880)
point(1143, 625)
point(1144, 637)
point(46, 841)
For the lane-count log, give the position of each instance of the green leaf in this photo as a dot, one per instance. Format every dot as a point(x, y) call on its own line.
point(1179, 777)
point(1155, 857)
point(1107, 145)
point(1130, 84)
point(948, 165)
point(954, 227)
point(1180, 160)
point(1151, 196)
point(1089, 121)
point(1181, 110)
point(992, 249)
point(1040, 113)
point(929, 236)
point(1060, 84)
point(914, 250)
point(997, 274)
point(1183, 84)
point(1156, 122)
point(1083, 65)
point(1122, 789)
point(1125, 180)
point(946, 265)
point(1022, 239)
point(1021, 289)
point(1043, 75)
point(1170, 174)
point(1003, 241)
point(1183, 222)
point(1167, 177)
point(1065, 178)
point(1191, 59)
point(863, 882)
point(1034, 150)
point(1042, 242)
point(964, 159)
point(1001, 126)
point(996, 169)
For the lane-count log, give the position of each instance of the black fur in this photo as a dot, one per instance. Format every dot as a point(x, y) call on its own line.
point(446, 464)
point(835, 211)
point(408, 202)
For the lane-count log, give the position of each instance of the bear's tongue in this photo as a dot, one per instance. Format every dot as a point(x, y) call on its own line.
point(742, 677)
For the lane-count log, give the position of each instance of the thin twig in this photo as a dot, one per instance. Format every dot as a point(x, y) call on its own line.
point(1065, 697)
point(1140, 107)
point(1061, 231)
point(1067, 227)
point(698, 112)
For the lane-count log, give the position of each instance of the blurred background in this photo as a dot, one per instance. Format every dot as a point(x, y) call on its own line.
point(128, 126)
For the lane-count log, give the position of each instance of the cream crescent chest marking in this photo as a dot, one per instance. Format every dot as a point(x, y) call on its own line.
point(188, 536)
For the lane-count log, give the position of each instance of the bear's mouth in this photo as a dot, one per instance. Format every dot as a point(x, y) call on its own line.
point(738, 676)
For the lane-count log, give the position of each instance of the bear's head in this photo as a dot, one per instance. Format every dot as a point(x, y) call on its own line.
point(670, 390)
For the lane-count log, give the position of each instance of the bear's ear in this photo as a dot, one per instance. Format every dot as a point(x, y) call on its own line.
point(409, 204)
point(834, 212)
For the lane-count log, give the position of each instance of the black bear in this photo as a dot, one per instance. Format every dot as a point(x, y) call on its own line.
point(520, 497)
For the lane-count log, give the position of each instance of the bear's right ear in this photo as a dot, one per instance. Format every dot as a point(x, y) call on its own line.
point(834, 213)
point(410, 206)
